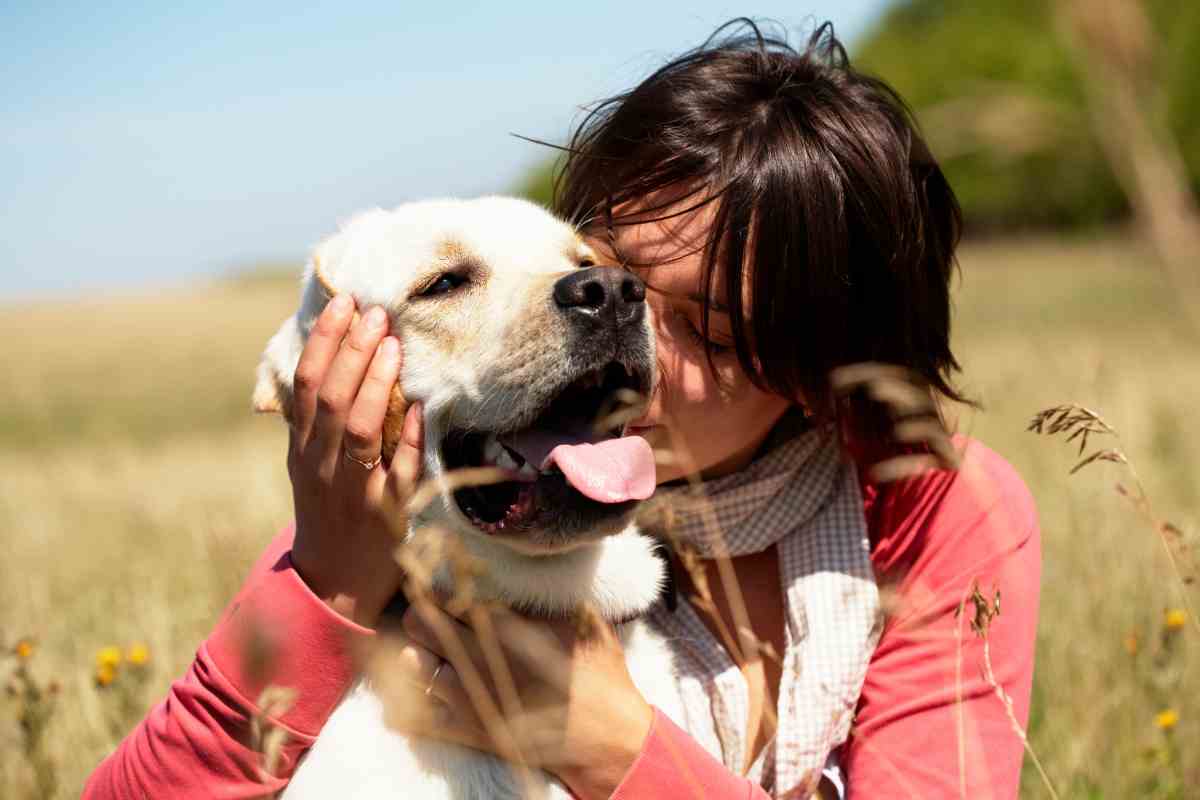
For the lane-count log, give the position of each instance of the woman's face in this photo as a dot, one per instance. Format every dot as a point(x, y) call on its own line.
point(716, 424)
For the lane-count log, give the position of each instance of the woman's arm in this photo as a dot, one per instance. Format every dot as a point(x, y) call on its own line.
point(673, 764)
point(929, 722)
point(308, 602)
point(197, 742)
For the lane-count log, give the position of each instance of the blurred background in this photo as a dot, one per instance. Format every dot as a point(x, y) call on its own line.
point(165, 170)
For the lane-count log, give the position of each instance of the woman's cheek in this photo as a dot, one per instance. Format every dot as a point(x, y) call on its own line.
point(695, 386)
point(689, 381)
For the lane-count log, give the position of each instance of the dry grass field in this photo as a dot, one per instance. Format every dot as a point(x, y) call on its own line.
point(136, 486)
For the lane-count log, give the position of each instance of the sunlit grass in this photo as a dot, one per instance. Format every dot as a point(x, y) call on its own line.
point(136, 487)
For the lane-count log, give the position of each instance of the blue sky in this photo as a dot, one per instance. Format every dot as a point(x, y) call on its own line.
point(149, 144)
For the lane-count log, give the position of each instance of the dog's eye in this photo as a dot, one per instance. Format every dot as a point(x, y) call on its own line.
point(444, 284)
point(587, 262)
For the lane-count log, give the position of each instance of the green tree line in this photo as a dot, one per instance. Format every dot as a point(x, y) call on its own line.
point(1002, 97)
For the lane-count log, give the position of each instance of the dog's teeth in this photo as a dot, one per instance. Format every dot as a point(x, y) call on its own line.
point(492, 450)
point(505, 460)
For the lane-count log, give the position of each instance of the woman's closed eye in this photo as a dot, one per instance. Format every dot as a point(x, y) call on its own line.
point(696, 336)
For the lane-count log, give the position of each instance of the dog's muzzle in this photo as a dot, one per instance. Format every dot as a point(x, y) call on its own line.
point(572, 471)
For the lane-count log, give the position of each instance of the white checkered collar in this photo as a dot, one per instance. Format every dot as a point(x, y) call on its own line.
point(802, 494)
point(793, 479)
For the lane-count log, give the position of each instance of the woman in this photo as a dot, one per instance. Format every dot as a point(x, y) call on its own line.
point(788, 220)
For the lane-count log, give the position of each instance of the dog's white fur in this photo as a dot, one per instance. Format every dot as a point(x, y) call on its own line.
point(487, 356)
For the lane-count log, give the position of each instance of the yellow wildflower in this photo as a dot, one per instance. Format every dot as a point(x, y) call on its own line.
point(1175, 618)
point(108, 657)
point(1132, 643)
point(23, 649)
point(138, 655)
point(105, 674)
point(1166, 719)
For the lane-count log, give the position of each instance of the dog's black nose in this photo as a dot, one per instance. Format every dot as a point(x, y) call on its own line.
point(602, 295)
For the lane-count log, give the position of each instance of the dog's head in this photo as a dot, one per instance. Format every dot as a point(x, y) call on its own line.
point(522, 351)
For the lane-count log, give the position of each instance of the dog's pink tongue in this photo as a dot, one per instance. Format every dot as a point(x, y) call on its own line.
point(611, 471)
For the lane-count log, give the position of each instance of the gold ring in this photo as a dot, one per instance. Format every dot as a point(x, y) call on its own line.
point(367, 465)
point(433, 679)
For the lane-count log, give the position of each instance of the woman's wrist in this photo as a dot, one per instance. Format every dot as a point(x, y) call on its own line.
point(359, 602)
point(355, 608)
point(599, 768)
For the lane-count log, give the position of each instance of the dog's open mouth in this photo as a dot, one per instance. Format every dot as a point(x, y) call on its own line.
point(573, 454)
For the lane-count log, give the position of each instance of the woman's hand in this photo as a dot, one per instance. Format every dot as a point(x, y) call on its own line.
point(344, 545)
point(552, 695)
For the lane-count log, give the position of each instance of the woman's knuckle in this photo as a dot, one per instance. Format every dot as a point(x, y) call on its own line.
point(306, 379)
point(331, 401)
point(362, 344)
point(326, 474)
point(397, 486)
point(409, 658)
point(360, 434)
point(328, 324)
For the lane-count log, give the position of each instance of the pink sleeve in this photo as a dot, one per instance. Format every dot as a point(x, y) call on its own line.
point(672, 764)
point(196, 743)
point(928, 724)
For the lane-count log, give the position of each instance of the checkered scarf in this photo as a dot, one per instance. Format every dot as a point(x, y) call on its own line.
point(802, 495)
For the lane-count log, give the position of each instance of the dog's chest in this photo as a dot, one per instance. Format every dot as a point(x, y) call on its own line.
point(356, 757)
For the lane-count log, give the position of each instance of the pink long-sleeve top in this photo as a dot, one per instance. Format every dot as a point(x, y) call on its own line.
point(933, 538)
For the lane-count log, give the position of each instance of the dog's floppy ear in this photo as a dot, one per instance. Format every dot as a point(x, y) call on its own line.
point(272, 391)
point(270, 395)
point(393, 423)
point(266, 398)
point(273, 387)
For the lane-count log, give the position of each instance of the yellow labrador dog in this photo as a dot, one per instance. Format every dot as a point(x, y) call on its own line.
point(515, 343)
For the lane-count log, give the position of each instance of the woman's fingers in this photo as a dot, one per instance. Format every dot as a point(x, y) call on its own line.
point(405, 468)
point(537, 645)
point(419, 665)
point(363, 438)
point(441, 684)
point(466, 684)
point(342, 381)
point(432, 628)
point(319, 351)
point(488, 647)
point(417, 686)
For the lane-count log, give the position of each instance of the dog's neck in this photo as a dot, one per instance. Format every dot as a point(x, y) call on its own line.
point(619, 577)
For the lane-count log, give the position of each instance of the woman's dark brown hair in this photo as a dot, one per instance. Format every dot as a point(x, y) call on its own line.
point(819, 180)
